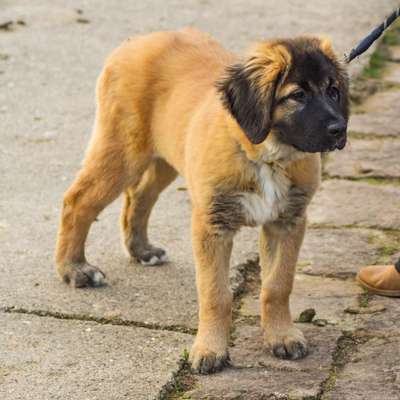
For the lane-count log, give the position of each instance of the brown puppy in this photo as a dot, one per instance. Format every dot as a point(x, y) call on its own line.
point(245, 133)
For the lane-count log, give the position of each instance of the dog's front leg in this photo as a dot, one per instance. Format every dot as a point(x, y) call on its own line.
point(212, 253)
point(279, 249)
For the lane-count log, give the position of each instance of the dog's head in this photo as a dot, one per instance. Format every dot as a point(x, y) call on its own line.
point(295, 89)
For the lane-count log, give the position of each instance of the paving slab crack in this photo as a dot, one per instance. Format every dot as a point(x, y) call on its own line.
point(250, 272)
point(346, 346)
point(99, 320)
point(371, 179)
point(181, 382)
point(334, 277)
point(371, 136)
point(184, 379)
point(353, 226)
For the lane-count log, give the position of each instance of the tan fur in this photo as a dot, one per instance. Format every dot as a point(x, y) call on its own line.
point(158, 115)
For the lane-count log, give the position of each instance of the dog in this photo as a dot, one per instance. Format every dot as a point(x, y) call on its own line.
point(246, 133)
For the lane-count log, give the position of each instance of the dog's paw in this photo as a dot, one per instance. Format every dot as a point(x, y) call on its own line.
point(206, 361)
point(145, 253)
point(289, 344)
point(82, 275)
point(151, 256)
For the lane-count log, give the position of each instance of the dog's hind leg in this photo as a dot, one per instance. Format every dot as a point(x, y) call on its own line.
point(139, 201)
point(279, 249)
point(119, 153)
point(107, 171)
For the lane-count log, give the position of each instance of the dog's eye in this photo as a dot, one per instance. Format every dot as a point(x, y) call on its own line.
point(298, 95)
point(333, 93)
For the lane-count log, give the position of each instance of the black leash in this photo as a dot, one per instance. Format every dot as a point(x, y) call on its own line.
point(366, 43)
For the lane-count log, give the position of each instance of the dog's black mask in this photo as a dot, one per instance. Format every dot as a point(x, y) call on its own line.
point(314, 115)
point(315, 125)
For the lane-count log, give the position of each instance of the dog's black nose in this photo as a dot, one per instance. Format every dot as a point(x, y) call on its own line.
point(337, 129)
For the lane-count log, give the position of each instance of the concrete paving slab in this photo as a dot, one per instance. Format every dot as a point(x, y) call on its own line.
point(48, 358)
point(373, 372)
point(255, 384)
point(339, 253)
point(379, 115)
point(328, 297)
point(258, 375)
point(345, 203)
point(366, 158)
point(258, 19)
point(385, 322)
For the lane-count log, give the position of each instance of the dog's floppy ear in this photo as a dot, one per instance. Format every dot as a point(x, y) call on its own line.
point(248, 89)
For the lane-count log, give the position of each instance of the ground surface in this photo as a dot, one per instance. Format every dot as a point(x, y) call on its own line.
point(124, 341)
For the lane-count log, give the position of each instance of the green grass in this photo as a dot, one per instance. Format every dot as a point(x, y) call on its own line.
point(376, 65)
point(387, 251)
point(392, 36)
point(364, 299)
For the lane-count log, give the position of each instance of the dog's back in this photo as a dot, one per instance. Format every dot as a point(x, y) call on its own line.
point(153, 82)
point(166, 58)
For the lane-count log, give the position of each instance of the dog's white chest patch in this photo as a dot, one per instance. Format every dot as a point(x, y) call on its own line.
point(272, 199)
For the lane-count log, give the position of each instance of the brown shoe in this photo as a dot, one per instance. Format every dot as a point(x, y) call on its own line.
point(380, 279)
